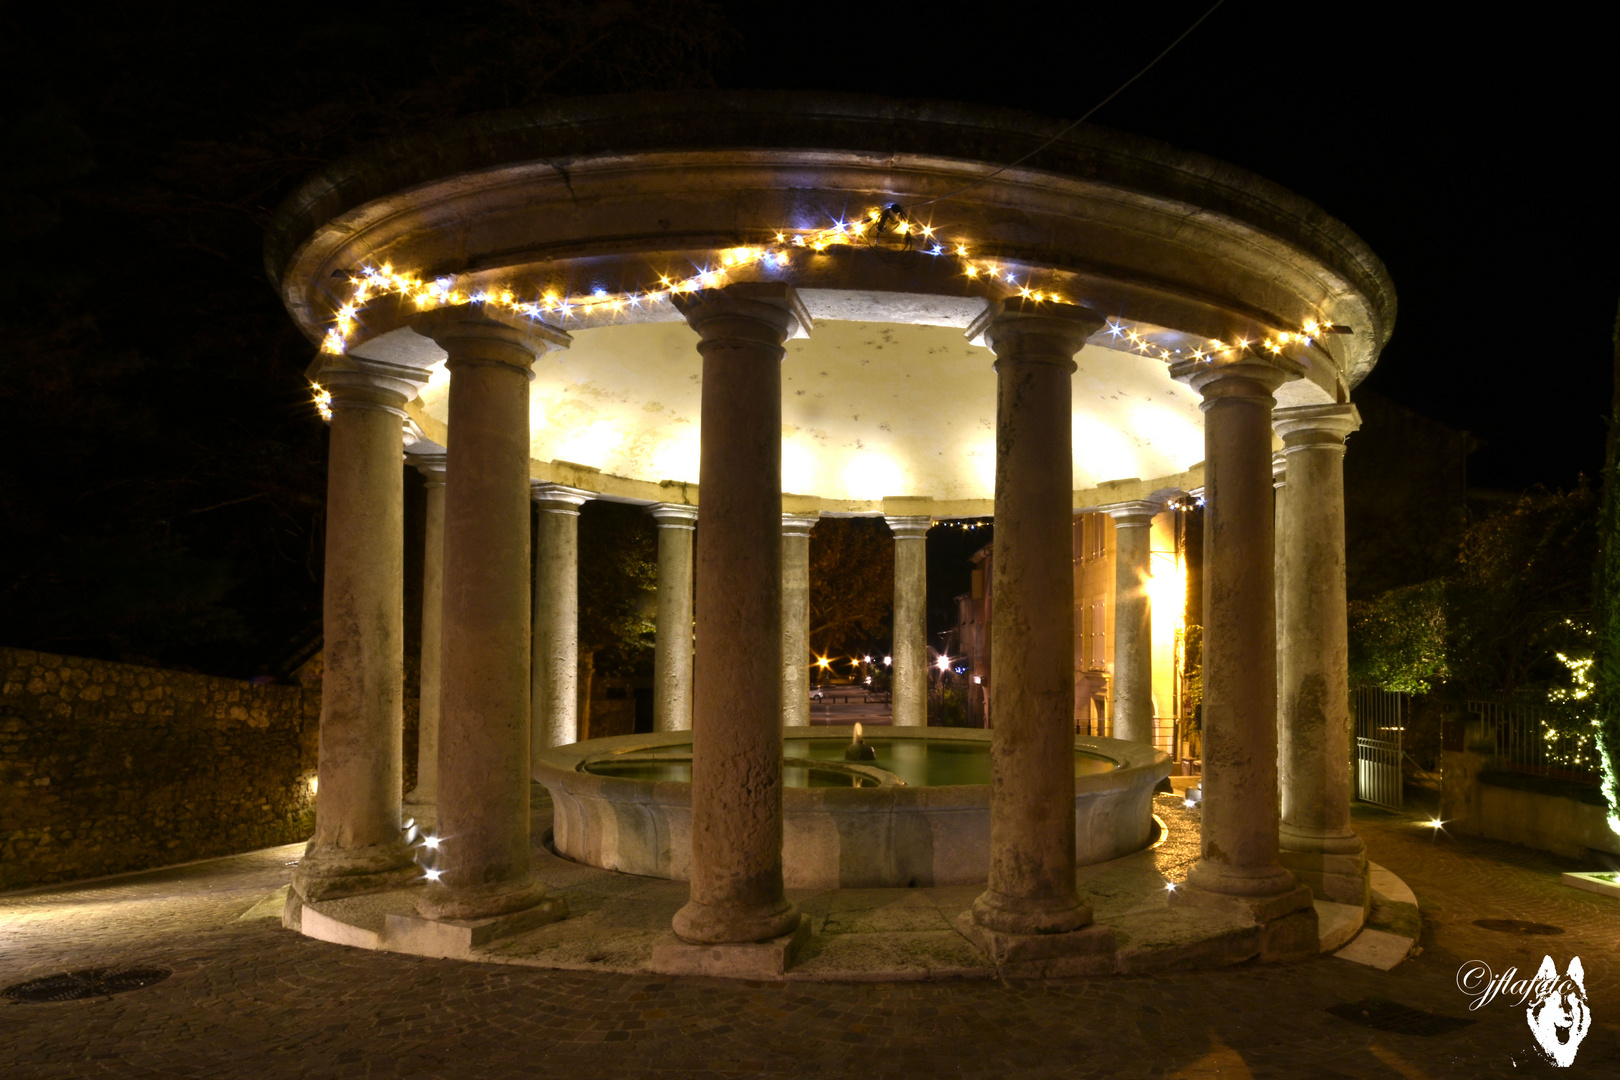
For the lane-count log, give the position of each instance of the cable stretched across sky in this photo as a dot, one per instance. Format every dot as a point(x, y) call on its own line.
point(1196, 23)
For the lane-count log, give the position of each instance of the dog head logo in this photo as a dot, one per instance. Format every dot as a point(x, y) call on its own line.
point(1558, 1016)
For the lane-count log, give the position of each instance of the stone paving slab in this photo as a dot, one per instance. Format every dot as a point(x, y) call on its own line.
point(249, 999)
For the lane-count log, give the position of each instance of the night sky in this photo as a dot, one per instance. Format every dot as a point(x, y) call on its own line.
point(162, 489)
point(1472, 151)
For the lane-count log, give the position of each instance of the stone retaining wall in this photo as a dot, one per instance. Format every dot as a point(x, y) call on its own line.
point(1563, 818)
point(110, 767)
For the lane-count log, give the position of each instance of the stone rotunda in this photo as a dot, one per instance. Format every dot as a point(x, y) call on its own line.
point(744, 311)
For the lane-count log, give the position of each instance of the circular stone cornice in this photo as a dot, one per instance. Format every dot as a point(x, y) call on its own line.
point(464, 185)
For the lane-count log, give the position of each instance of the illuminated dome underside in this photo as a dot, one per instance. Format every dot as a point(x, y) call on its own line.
point(869, 410)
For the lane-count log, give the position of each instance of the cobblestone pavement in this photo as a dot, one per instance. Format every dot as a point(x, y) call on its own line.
point(249, 999)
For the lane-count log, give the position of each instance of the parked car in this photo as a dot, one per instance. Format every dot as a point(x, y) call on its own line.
point(815, 693)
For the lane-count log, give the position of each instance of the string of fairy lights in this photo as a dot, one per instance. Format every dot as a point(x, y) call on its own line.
point(879, 226)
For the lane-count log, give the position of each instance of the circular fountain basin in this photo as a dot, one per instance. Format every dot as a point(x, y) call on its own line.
point(917, 815)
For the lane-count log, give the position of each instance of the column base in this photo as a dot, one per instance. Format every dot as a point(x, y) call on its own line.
point(997, 912)
point(453, 903)
point(329, 873)
point(768, 959)
point(1341, 879)
point(455, 939)
point(1225, 879)
point(709, 924)
point(424, 810)
point(1287, 920)
point(1087, 951)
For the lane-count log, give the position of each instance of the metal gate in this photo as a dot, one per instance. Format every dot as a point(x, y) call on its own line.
point(1380, 717)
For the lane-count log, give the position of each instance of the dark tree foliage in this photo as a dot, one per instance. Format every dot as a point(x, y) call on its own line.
point(851, 583)
point(163, 486)
point(1523, 592)
point(1606, 607)
point(1398, 639)
point(1520, 595)
point(618, 582)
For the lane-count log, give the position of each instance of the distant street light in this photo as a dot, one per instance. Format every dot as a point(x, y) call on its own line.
point(887, 660)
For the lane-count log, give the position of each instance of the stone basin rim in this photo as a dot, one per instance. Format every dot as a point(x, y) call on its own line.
point(558, 764)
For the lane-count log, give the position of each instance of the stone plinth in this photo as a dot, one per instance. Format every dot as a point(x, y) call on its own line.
point(767, 959)
point(456, 939)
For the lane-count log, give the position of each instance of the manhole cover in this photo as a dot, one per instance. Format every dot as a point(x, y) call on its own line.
point(1518, 926)
point(1392, 1016)
point(91, 982)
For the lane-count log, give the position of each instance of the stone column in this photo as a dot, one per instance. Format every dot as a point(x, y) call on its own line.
point(1133, 620)
point(910, 678)
point(483, 858)
point(357, 846)
point(1031, 909)
point(1279, 496)
point(672, 648)
point(736, 879)
point(1313, 732)
point(422, 801)
point(1239, 867)
point(796, 618)
point(555, 670)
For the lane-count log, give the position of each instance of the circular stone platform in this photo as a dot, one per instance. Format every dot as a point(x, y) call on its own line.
point(615, 921)
point(860, 825)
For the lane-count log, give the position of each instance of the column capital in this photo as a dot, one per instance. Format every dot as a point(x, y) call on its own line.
point(745, 310)
point(431, 461)
point(1239, 379)
point(1049, 333)
point(1315, 425)
point(674, 515)
point(359, 382)
point(909, 526)
point(1134, 512)
point(556, 499)
point(473, 335)
point(1279, 470)
point(798, 524)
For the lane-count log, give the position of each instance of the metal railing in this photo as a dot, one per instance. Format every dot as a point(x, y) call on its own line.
point(1380, 719)
point(1531, 737)
point(1164, 730)
point(1164, 734)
